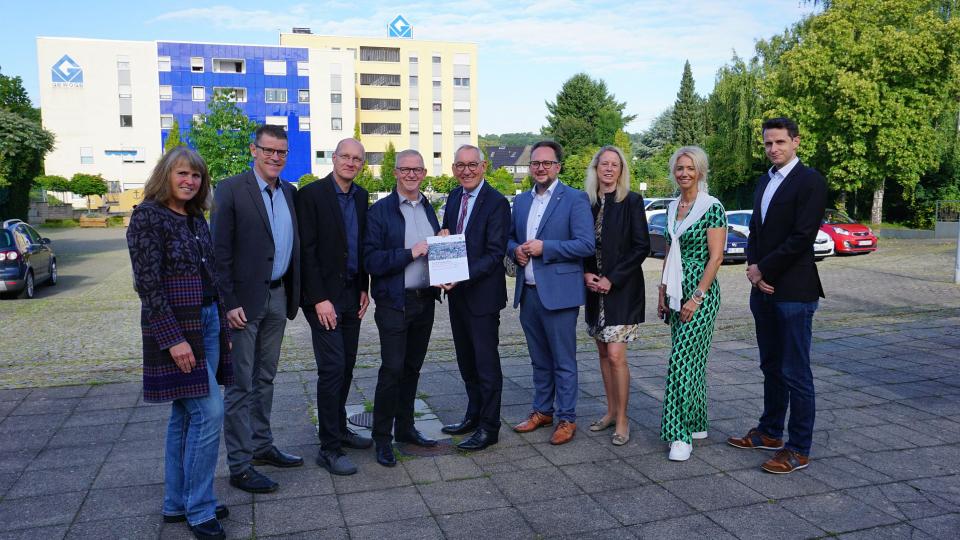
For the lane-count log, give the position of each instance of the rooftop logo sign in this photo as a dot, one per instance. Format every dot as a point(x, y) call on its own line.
point(66, 72)
point(399, 27)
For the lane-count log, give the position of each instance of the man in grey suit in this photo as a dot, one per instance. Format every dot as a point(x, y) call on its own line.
point(258, 258)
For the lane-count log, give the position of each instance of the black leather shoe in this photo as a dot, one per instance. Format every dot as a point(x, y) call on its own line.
point(464, 426)
point(221, 512)
point(352, 440)
point(479, 440)
point(336, 462)
point(275, 457)
point(253, 482)
point(385, 455)
point(208, 530)
point(413, 436)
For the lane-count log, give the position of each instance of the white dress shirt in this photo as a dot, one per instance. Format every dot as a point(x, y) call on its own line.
point(776, 178)
point(537, 208)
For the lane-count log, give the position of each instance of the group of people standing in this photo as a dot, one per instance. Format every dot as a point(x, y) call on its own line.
point(215, 301)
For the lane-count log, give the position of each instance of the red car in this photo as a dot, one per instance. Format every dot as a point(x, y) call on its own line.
point(849, 237)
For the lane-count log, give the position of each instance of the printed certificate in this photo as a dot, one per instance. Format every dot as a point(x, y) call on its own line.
point(447, 259)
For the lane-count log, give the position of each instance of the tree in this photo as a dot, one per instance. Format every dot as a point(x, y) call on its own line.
point(501, 180)
point(305, 180)
point(23, 144)
point(655, 137)
point(57, 184)
point(14, 98)
point(173, 137)
point(867, 82)
point(387, 177)
point(655, 172)
point(87, 185)
point(575, 167)
point(584, 114)
point(687, 112)
point(222, 137)
point(440, 184)
point(622, 141)
point(509, 139)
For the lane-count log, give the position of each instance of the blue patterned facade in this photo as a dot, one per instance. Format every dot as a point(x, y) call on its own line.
point(182, 80)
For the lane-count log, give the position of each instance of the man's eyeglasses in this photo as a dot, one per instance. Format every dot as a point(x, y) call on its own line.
point(545, 164)
point(355, 160)
point(269, 152)
point(460, 166)
point(410, 170)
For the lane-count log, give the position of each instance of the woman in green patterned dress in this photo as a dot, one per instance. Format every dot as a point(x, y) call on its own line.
point(690, 297)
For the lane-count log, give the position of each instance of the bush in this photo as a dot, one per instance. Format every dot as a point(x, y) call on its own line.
point(305, 180)
point(115, 221)
point(60, 223)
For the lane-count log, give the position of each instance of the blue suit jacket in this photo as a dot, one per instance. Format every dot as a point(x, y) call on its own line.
point(568, 236)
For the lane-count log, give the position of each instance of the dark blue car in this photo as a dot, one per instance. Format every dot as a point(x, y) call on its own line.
point(734, 251)
point(26, 260)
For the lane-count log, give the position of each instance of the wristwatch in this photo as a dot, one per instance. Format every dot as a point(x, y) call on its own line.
point(697, 293)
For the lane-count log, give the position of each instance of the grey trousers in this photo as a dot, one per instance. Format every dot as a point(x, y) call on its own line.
point(247, 404)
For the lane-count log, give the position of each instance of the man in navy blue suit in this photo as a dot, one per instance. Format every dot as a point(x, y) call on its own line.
point(787, 212)
point(482, 215)
point(550, 234)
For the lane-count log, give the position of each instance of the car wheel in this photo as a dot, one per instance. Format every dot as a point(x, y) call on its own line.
point(28, 289)
point(52, 280)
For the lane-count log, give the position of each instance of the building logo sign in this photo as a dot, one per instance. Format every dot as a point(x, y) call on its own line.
point(66, 72)
point(399, 27)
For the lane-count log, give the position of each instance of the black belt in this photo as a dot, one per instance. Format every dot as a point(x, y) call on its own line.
point(276, 283)
point(530, 285)
point(426, 292)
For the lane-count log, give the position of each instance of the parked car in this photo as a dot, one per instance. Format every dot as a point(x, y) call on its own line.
point(740, 220)
point(658, 203)
point(849, 237)
point(26, 260)
point(734, 251)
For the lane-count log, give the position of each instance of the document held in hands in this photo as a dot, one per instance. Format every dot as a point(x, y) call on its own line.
point(447, 259)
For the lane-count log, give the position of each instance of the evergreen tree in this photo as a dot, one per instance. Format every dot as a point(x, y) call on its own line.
point(584, 114)
point(388, 177)
point(688, 112)
point(173, 137)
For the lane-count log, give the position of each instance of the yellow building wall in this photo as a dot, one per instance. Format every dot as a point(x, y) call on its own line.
point(424, 50)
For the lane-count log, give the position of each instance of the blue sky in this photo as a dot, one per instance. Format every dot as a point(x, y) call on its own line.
point(527, 49)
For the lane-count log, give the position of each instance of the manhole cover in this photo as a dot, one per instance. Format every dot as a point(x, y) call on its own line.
point(364, 420)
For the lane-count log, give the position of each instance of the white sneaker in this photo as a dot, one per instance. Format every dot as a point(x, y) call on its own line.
point(680, 451)
point(698, 435)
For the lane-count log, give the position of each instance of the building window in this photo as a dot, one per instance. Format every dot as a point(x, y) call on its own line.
point(230, 65)
point(379, 54)
point(198, 93)
point(373, 158)
point(436, 83)
point(379, 104)
point(196, 64)
point(461, 106)
point(336, 124)
point(276, 121)
point(461, 133)
point(86, 155)
point(380, 128)
point(436, 59)
point(303, 69)
point(275, 95)
point(379, 79)
point(236, 95)
point(274, 67)
point(163, 63)
point(461, 81)
point(166, 121)
point(123, 62)
point(414, 105)
point(323, 156)
point(336, 98)
point(166, 92)
point(436, 155)
point(126, 120)
point(125, 90)
point(303, 96)
point(414, 59)
point(437, 107)
point(197, 118)
point(304, 123)
point(414, 80)
point(414, 129)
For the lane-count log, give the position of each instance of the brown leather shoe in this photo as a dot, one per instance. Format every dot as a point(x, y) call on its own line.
point(535, 420)
point(785, 461)
point(563, 433)
point(755, 439)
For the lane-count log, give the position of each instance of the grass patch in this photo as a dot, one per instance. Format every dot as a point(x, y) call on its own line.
point(115, 221)
point(60, 224)
point(367, 406)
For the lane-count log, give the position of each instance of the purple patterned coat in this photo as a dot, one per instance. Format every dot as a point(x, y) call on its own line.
point(166, 270)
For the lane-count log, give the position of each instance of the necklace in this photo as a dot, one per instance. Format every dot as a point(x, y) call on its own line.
point(683, 204)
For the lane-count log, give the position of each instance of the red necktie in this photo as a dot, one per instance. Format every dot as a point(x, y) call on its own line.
point(463, 212)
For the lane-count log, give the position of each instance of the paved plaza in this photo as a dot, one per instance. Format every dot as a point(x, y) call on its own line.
point(81, 454)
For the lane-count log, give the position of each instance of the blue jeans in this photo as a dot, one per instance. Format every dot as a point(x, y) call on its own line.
point(784, 331)
point(552, 342)
point(193, 439)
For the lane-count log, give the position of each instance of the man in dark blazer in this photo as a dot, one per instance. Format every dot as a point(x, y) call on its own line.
point(550, 235)
point(395, 255)
point(482, 215)
point(257, 245)
point(787, 212)
point(333, 217)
